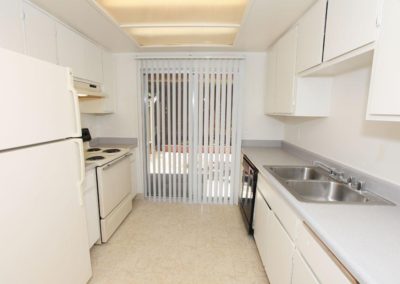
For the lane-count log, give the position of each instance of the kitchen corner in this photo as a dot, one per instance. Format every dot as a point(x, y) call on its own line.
point(344, 228)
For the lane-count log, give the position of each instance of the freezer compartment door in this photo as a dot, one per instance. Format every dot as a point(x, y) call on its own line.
point(44, 237)
point(38, 102)
point(114, 184)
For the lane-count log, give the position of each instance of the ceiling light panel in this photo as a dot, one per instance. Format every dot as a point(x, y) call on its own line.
point(131, 12)
point(178, 22)
point(183, 36)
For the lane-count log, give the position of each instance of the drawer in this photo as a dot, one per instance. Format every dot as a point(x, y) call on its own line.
point(323, 263)
point(279, 206)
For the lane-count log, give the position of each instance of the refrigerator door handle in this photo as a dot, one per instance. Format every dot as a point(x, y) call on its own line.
point(77, 114)
point(82, 169)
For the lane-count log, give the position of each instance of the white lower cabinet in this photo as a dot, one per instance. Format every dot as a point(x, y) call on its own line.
point(274, 244)
point(91, 206)
point(260, 225)
point(289, 250)
point(280, 248)
point(323, 263)
point(302, 274)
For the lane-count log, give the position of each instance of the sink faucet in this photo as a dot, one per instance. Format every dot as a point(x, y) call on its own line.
point(339, 176)
point(325, 167)
point(356, 184)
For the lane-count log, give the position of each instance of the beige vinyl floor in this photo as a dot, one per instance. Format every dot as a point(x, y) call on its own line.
point(179, 243)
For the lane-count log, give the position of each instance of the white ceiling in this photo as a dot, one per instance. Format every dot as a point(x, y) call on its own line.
point(264, 21)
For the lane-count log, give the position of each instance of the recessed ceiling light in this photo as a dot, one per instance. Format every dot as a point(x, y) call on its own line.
point(178, 22)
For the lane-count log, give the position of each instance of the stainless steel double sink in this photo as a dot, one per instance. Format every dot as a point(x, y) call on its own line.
point(312, 184)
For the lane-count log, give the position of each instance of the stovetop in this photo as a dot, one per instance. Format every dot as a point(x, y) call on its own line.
point(100, 156)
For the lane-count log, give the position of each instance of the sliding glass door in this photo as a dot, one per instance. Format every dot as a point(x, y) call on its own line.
point(190, 110)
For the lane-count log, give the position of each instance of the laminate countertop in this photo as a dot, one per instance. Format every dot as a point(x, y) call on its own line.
point(365, 238)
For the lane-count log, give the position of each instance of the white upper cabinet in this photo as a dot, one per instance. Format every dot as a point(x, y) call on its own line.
point(108, 74)
point(350, 25)
point(104, 104)
point(11, 27)
point(71, 51)
point(285, 72)
point(384, 97)
point(310, 40)
point(93, 62)
point(82, 56)
point(286, 93)
point(269, 98)
point(40, 34)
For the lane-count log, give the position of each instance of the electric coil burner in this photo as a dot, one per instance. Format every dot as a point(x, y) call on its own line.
point(93, 149)
point(112, 151)
point(95, 158)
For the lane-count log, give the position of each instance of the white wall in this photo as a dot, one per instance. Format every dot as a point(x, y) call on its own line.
point(90, 121)
point(256, 125)
point(345, 136)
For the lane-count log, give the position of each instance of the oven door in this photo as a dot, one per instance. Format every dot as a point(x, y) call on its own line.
point(114, 184)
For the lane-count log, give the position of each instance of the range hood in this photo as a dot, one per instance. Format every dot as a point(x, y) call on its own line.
point(88, 90)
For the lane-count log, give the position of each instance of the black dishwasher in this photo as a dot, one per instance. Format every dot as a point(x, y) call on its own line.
point(248, 193)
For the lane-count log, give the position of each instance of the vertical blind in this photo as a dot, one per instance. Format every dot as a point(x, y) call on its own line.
point(190, 124)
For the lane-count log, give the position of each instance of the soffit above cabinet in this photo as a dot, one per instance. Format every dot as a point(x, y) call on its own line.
point(261, 24)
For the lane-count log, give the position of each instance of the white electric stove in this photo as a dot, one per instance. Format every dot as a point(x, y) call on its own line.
point(113, 174)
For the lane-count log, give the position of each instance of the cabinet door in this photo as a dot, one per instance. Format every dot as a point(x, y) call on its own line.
point(279, 251)
point(269, 99)
point(323, 263)
point(40, 34)
point(11, 25)
point(80, 54)
point(71, 52)
point(310, 40)
point(91, 207)
point(384, 97)
point(93, 62)
point(108, 81)
point(285, 72)
point(302, 274)
point(350, 24)
point(260, 224)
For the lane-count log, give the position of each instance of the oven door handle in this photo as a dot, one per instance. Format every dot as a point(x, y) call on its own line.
point(116, 161)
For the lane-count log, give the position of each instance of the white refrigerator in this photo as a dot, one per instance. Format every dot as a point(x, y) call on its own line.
point(43, 235)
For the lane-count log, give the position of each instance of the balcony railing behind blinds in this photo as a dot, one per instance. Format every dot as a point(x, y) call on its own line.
point(190, 123)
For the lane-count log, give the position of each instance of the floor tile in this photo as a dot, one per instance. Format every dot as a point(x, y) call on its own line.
point(179, 243)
